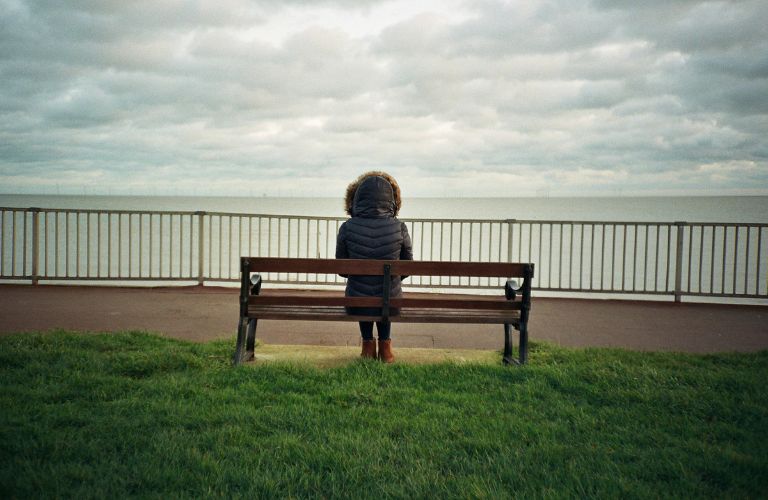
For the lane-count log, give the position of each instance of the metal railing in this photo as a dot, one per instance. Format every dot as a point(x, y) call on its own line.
point(648, 258)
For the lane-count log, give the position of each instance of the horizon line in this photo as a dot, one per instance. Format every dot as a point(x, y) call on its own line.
point(425, 197)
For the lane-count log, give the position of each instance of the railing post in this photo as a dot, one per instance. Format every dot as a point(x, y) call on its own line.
point(679, 260)
point(509, 222)
point(35, 244)
point(200, 248)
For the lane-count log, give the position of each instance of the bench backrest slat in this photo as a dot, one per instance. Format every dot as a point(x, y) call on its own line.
point(398, 267)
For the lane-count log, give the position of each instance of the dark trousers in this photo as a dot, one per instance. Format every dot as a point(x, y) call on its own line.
point(382, 327)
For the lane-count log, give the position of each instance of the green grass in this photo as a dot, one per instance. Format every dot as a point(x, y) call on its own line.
point(134, 414)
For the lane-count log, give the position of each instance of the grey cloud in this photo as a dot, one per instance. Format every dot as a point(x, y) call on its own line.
point(698, 26)
point(114, 19)
point(83, 106)
point(423, 33)
point(646, 5)
point(752, 64)
point(548, 27)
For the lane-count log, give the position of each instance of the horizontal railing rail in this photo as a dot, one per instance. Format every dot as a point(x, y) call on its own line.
point(694, 259)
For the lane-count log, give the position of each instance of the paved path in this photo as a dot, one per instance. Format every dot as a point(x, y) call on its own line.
point(206, 313)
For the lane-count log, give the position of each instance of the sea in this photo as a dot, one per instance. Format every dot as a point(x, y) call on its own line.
point(740, 209)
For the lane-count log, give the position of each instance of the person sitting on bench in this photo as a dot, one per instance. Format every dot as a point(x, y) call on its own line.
point(373, 232)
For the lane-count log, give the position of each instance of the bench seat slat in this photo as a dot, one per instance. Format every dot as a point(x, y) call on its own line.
point(409, 315)
point(306, 313)
point(415, 315)
point(448, 302)
point(445, 301)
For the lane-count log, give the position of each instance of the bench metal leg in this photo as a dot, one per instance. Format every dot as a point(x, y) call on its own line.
point(250, 344)
point(246, 341)
point(523, 343)
point(507, 358)
point(240, 343)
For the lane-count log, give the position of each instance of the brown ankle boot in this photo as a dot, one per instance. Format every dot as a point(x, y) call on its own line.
point(369, 349)
point(385, 351)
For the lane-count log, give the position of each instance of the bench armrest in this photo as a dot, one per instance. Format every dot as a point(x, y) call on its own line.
point(511, 289)
point(255, 284)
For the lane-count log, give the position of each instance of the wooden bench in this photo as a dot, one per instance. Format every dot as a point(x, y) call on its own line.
point(510, 308)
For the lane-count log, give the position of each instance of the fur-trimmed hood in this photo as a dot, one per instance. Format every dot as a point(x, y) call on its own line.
point(359, 203)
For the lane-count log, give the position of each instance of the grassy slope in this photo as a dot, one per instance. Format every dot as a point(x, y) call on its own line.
point(135, 414)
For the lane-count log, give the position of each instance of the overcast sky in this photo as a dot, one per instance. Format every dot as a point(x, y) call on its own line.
point(454, 98)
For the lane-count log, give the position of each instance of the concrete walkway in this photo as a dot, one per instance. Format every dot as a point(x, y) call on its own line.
point(206, 313)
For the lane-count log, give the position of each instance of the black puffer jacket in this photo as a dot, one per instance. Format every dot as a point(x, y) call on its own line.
point(373, 232)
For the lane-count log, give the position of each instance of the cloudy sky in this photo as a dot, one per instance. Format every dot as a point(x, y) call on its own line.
point(455, 98)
